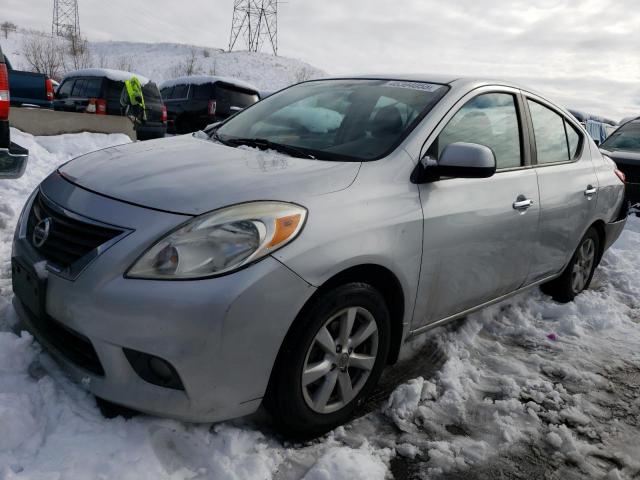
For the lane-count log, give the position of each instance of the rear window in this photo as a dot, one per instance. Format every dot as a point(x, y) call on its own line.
point(151, 94)
point(180, 91)
point(166, 93)
point(65, 89)
point(232, 97)
point(202, 92)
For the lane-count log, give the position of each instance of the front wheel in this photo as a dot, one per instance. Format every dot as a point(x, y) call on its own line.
point(330, 361)
point(578, 274)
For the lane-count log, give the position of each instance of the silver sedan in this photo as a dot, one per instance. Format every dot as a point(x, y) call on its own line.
point(284, 256)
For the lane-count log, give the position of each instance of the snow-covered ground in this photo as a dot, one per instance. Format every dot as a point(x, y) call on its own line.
point(525, 389)
point(164, 61)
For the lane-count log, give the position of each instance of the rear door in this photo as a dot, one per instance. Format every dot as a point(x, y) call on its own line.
point(478, 232)
point(568, 186)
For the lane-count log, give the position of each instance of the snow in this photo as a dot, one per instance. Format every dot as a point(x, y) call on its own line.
point(116, 75)
point(499, 391)
point(164, 61)
point(203, 79)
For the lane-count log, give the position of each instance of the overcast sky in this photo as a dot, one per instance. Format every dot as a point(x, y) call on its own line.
point(585, 54)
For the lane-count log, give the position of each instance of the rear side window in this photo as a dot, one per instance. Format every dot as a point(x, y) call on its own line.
point(79, 88)
point(202, 92)
point(151, 93)
point(556, 139)
point(65, 89)
point(490, 120)
point(93, 88)
point(573, 139)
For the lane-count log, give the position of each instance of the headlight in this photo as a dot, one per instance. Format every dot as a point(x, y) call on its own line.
point(221, 241)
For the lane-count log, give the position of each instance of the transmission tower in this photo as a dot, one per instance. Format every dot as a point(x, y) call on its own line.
point(254, 23)
point(66, 21)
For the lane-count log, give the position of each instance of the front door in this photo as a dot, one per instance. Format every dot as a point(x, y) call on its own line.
point(478, 233)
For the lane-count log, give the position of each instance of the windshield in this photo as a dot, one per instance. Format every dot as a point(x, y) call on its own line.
point(625, 138)
point(335, 119)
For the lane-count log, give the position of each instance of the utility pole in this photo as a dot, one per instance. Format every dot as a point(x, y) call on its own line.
point(254, 23)
point(66, 21)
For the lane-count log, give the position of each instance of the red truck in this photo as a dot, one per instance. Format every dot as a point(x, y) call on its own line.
point(13, 158)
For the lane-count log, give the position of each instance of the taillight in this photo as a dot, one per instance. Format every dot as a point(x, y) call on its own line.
point(620, 175)
point(49, 85)
point(4, 92)
point(101, 106)
point(212, 108)
point(164, 114)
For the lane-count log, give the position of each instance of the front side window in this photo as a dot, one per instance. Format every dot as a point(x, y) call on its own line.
point(491, 120)
point(626, 138)
point(556, 139)
point(355, 120)
point(65, 89)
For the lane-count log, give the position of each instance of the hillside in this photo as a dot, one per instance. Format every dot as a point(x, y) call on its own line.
point(162, 61)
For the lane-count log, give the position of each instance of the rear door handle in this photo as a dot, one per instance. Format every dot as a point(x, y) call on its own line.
point(590, 191)
point(522, 204)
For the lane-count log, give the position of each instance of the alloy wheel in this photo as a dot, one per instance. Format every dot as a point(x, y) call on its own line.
point(340, 360)
point(583, 265)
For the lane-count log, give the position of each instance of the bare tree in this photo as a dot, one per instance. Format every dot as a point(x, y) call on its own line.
point(79, 55)
point(303, 74)
point(44, 54)
point(8, 27)
point(189, 66)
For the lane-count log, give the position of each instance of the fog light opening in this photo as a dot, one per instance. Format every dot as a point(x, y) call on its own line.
point(154, 369)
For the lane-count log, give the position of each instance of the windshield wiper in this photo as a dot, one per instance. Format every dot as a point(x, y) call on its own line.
point(263, 143)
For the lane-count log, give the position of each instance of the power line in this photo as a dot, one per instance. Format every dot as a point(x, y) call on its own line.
point(254, 23)
point(66, 21)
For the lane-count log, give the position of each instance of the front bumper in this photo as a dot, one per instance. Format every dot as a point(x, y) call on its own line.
point(13, 161)
point(221, 335)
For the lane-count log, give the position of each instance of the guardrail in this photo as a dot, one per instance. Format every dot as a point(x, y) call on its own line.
point(41, 121)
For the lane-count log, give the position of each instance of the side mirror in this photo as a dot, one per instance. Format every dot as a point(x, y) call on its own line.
point(464, 160)
point(13, 161)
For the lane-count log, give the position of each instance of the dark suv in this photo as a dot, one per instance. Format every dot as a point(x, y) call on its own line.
point(623, 146)
point(98, 91)
point(195, 102)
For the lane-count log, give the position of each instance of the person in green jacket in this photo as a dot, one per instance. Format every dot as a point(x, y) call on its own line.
point(132, 100)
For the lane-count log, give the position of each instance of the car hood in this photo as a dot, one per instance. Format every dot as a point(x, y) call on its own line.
point(630, 158)
point(191, 176)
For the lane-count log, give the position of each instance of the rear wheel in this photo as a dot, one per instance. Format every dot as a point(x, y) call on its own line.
point(330, 361)
point(579, 272)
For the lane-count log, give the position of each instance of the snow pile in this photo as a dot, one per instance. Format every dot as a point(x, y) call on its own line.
point(164, 61)
point(525, 382)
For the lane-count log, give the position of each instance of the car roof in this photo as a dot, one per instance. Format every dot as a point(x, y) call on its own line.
point(205, 79)
point(115, 75)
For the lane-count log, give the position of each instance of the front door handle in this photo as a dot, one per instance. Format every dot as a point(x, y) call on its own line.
point(590, 191)
point(522, 204)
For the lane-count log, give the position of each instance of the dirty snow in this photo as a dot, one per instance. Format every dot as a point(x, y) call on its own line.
point(525, 389)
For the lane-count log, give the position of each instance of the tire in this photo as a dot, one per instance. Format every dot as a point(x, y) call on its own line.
point(577, 276)
point(307, 409)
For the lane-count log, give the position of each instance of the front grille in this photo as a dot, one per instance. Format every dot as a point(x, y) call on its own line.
point(75, 347)
point(69, 238)
point(632, 172)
